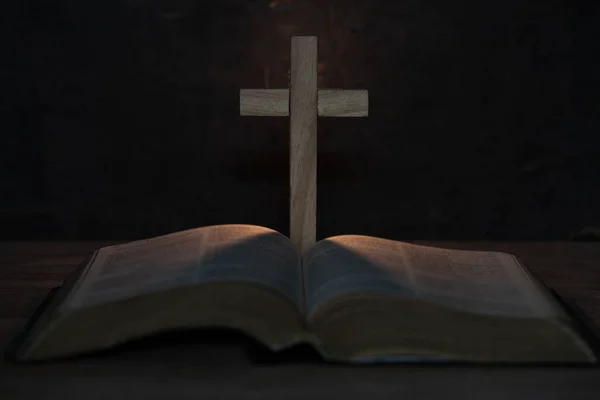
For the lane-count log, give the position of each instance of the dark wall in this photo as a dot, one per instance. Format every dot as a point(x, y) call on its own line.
point(120, 117)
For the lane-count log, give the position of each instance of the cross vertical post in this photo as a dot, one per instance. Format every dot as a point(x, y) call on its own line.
point(303, 142)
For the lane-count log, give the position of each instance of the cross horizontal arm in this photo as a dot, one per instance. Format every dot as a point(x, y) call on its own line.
point(330, 102)
point(343, 103)
point(265, 102)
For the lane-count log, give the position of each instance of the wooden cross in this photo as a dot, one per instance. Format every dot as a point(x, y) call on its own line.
point(303, 102)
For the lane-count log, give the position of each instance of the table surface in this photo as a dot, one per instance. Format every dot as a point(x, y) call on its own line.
point(29, 269)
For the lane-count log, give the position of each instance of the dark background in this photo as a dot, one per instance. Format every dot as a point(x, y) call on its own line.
point(120, 118)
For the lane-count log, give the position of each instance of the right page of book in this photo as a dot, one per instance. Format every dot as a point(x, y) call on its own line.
point(372, 299)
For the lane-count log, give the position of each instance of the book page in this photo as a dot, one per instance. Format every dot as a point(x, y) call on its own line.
point(223, 253)
point(474, 281)
point(489, 283)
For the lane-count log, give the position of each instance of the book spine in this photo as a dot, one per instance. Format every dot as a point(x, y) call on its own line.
point(43, 313)
point(14, 346)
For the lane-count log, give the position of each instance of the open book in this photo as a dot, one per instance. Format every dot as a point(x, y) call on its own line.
point(354, 298)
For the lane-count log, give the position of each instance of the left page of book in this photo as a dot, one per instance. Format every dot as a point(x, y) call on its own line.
point(196, 256)
point(241, 277)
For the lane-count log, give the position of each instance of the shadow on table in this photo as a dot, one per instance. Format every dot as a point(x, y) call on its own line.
point(201, 346)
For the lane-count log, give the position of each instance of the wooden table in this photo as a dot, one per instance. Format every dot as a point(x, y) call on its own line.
point(28, 270)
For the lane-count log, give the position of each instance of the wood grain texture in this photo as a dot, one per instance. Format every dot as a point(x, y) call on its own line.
point(264, 102)
point(343, 103)
point(303, 142)
point(197, 370)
